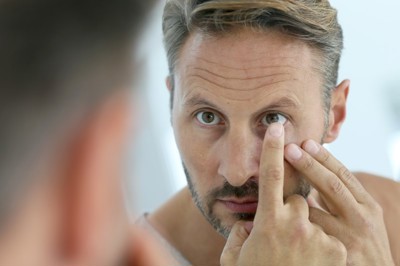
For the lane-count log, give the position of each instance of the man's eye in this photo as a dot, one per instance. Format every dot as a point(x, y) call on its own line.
point(208, 118)
point(271, 118)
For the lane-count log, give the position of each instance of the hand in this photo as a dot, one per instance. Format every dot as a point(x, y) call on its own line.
point(352, 215)
point(282, 233)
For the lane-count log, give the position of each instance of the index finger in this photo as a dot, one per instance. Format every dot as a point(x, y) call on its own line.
point(271, 176)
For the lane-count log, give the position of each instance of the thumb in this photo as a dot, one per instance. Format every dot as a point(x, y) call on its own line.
point(238, 235)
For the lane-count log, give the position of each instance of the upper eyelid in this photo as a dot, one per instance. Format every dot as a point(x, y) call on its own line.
point(288, 118)
point(262, 115)
point(257, 119)
point(207, 109)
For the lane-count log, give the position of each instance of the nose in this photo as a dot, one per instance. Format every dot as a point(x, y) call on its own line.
point(240, 156)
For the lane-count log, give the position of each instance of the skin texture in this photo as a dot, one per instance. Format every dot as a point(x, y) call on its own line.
point(280, 227)
point(350, 215)
point(227, 82)
point(241, 78)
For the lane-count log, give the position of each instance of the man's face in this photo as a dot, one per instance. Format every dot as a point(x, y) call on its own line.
point(228, 90)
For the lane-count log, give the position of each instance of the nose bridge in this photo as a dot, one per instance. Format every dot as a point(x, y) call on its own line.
point(240, 156)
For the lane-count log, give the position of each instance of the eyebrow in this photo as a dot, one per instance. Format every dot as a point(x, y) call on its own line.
point(283, 102)
point(198, 100)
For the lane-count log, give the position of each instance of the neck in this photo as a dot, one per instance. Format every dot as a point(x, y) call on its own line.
point(191, 233)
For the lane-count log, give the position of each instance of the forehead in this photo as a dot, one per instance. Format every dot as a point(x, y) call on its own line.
point(245, 63)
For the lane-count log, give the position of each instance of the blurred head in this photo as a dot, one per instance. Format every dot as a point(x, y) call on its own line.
point(235, 68)
point(66, 69)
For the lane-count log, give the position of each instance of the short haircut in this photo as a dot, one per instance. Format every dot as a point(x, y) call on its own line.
point(311, 21)
point(57, 59)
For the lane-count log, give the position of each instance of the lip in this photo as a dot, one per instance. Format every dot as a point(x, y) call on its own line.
point(243, 205)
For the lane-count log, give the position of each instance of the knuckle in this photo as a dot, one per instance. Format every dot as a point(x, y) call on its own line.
point(345, 174)
point(355, 244)
point(241, 232)
point(325, 156)
point(376, 208)
point(308, 163)
point(337, 248)
point(367, 226)
point(274, 172)
point(274, 144)
point(340, 250)
point(336, 187)
point(301, 230)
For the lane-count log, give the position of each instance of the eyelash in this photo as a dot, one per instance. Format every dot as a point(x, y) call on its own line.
point(222, 120)
point(216, 114)
point(273, 113)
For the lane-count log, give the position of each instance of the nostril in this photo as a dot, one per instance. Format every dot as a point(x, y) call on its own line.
point(239, 178)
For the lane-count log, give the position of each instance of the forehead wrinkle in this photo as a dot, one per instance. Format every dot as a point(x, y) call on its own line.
point(263, 85)
point(200, 69)
point(270, 58)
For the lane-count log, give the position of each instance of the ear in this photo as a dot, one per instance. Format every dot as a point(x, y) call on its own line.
point(337, 112)
point(169, 83)
point(96, 219)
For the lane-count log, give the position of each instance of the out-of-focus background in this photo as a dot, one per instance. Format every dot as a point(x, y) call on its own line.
point(370, 138)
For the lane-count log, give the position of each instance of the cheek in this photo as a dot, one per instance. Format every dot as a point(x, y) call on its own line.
point(198, 158)
point(292, 179)
point(313, 129)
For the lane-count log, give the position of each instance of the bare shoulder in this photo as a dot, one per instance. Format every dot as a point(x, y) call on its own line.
point(387, 193)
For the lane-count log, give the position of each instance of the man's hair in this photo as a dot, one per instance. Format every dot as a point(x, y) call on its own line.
point(311, 21)
point(58, 58)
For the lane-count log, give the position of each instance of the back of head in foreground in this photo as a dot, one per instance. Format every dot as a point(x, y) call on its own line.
point(65, 74)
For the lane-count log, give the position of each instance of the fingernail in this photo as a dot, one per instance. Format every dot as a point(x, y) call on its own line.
point(275, 130)
point(311, 147)
point(249, 226)
point(293, 152)
point(311, 201)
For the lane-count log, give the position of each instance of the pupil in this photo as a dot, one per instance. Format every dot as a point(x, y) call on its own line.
point(273, 119)
point(208, 117)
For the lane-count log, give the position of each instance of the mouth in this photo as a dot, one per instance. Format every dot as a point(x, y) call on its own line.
point(242, 205)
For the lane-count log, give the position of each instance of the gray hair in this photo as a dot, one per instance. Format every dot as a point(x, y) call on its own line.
point(312, 21)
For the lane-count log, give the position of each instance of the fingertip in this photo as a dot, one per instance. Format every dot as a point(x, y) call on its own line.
point(312, 147)
point(293, 152)
point(239, 233)
point(275, 130)
point(312, 202)
point(248, 226)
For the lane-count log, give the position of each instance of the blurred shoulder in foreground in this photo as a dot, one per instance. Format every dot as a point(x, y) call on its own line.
point(66, 70)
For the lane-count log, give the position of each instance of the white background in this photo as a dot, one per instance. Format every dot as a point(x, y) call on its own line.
point(371, 60)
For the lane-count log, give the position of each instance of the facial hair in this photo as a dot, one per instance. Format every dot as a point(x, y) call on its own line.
point(249, 189)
